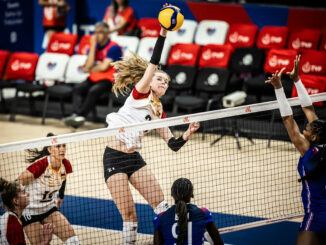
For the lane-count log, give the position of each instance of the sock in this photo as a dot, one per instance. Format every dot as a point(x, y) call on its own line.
point(163, 206)
point(72, 241)
point(129, 233)
point(208, 238)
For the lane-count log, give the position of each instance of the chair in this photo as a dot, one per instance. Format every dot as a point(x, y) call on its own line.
point(322, 45)
point(127, 44)
point(62, 43)
point(211, 32)
point(4, 55)
point(215, 55)
point(150, 27)
point(73, 74)
point(300, 39)
point(22, 66)
point(185, 34)
point(242, 35)
point(146, 47)
point(272, 37)
point(84, 45)
point(313, 62)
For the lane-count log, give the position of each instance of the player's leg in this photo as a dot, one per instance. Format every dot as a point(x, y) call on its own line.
point(34, 232)
point(121, 194)
point(63, 229)
point(145, 182)
point(308, 238)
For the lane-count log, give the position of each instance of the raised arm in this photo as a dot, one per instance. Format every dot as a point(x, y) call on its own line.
point(213, 233)
point(299, 141)
point(143, 85)
point(305, 100)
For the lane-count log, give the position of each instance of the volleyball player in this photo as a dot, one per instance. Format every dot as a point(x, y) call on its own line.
point(15, 199)
point(122, 162)
point(44, 179)
point(311, 144)
point(184, 223)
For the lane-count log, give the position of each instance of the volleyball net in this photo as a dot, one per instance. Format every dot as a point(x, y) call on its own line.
point(240, 161)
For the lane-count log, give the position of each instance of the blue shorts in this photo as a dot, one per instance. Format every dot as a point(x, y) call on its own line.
point(315, 222)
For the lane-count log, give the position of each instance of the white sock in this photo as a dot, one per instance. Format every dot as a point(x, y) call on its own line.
point(208, 238)
point(72, 241)
point(163, 206)
point(129, 233)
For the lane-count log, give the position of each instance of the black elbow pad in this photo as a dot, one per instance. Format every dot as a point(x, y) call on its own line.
point(175, 144)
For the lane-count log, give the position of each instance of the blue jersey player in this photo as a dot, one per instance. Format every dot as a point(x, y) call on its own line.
point(184, 223)
point(311, 144)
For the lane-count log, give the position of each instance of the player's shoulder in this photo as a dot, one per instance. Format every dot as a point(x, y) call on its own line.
point(136, 95)
point(67, 165)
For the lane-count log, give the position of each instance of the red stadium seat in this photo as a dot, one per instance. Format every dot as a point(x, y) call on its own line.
point(279, 58)
point(242, 35)
point(314, 85)
point(4, 54)
point(184, 54)
point(272, 37)
point(22, 65)
point(322, 45)
point(304, 39)
point(215, 55)
point(149, 27)
point(313, 62)
point(84, 45)
point(63, 43)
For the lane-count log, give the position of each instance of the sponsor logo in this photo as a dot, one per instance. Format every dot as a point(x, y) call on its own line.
point(307, 68)
point(297, 43)
point(149, 32)
point(56, 45)
point(209, 54)
point(274, 61)
point(178, 54)
point(19, 65)
point(237, 38)
point(210, 31)
point(268, 39)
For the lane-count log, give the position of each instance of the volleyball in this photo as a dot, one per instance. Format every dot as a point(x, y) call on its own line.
point(171, 18)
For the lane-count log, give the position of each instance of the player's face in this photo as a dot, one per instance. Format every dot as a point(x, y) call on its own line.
point(23, 198)
point(308, 134)
point(58, 151)
point(160, 83)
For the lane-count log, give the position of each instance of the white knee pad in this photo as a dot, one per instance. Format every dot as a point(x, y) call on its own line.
point(129, 233)
point(72, 241)
point(163, 206)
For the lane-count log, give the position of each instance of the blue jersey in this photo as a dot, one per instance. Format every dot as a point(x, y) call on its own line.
point(166, 224)
point(313, 191)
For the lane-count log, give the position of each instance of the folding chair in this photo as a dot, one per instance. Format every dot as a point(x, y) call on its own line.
point(211, 32)
point(185, 34)
point(300, 39)
point(242, 35)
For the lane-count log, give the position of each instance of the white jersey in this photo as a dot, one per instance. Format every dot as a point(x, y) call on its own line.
point(44, 188)
point(138, 107)
point(11, 230)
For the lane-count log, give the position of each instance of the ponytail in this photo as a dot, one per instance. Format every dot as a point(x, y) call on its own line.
point(181, 211)
point(35, 154)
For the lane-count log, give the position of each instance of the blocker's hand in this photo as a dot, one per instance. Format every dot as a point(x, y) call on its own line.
point(275, 79)
point(193, 127)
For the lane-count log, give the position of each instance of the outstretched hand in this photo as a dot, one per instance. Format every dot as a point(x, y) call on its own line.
point(193, 127)
point(294, 74)
point(275, 79)
point(48, 232)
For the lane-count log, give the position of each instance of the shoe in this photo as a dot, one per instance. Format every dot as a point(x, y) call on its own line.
point(70, 119)
point(78, 121)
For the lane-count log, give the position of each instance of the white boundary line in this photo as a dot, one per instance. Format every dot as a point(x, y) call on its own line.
point(179, 120)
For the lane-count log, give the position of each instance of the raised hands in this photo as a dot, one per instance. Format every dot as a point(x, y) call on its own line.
point(193, 127)
point(275, 79)
point(294, 74)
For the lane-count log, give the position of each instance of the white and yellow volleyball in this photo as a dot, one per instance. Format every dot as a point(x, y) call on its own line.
point(171, 18)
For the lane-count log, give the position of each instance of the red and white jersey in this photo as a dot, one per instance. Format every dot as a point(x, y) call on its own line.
point(138, 107)
point(11, 230)
point(44, 188)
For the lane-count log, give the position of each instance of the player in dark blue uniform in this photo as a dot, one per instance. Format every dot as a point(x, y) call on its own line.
point(312, 164)
point(184, 223)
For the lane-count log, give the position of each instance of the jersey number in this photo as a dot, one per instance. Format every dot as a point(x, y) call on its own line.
point(47, 196)
point(189, 231)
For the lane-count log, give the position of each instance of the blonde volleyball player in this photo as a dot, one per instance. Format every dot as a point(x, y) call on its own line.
point(311, 144)
point(122, 162)
point(44, 179)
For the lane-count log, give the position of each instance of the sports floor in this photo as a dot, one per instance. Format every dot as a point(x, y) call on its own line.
point(255, 183)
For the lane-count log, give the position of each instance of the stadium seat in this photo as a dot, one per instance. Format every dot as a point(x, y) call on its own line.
point(242, 35)
point(149, 27)
point(63, 43)
point(313, 62)
point(184, 54)
point(84, 45)
point(22, 66)
point(127, 44)
point(185, 34)
point(322, 45)
point(300, 39)
point(4, 55)
point(272, 37)
point(215, 55)
point(211, 32)
point(146, 46)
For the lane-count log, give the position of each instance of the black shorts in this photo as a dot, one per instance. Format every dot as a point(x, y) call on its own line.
point(54, 28)
point(119, 162)
point(26, 220)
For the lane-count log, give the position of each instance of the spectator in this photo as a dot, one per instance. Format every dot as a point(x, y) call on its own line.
point(101, 54)
point(120, 18)
point(54, 17)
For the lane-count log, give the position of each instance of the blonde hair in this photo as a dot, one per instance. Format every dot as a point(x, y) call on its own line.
point(129, 72)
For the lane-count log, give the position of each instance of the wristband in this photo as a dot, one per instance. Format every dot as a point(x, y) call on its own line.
point(303, 95)
point(62, 190)
point(156, 56)
point(285, 108)
point(175, 144)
